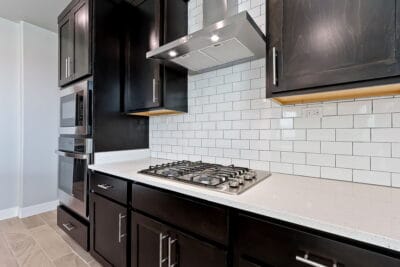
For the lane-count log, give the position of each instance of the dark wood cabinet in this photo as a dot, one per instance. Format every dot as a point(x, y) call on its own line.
point(74, 42)
point(317, 45)
point(150, 85)
point(265, 242)
point(109, 235)
point(161, 228)
point(155, 244)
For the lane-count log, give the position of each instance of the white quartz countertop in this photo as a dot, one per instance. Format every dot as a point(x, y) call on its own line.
point(362, 212)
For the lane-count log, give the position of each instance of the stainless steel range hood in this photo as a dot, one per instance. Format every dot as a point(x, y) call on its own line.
point(228, 39)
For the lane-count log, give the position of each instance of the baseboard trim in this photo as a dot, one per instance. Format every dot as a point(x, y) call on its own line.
point(8, 213)
point(37, 209)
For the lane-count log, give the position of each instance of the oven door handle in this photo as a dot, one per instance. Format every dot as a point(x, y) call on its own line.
point(72, 155)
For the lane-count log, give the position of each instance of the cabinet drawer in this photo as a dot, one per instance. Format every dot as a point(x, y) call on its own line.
point(110, 187)
point(75, 228)
point(194, 216)
point(269, 243)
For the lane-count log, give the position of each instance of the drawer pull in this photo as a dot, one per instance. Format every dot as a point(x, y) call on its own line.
point(68, 226)
point(120, 234)
point(305, 259)
point(104, 186)
point(161, 259)
point(170, 243)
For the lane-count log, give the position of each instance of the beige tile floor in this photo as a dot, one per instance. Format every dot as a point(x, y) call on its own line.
point(37, 242)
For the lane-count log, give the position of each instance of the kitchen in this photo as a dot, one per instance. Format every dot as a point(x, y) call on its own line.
point(200, 133)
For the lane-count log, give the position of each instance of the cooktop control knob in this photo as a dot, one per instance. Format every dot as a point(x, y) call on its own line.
point(234, 184)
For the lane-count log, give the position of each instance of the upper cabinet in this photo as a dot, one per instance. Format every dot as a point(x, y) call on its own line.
point(74, 42)
point(152, 88)
point(320, 46)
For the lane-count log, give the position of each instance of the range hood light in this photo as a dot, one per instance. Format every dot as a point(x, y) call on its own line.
point(214, 38)
point(172, 53)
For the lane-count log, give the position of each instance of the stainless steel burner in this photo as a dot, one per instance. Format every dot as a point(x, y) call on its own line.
point(227, 179)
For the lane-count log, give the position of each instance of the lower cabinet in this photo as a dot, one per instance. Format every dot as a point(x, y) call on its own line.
point(155, 244)
point(260, 242)
point(108, 231)
point(142, 226)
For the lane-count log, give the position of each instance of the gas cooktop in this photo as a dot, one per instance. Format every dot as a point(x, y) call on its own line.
point(228, 179)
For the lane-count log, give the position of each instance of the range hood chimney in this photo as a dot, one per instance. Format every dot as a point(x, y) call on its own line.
point(227, 38)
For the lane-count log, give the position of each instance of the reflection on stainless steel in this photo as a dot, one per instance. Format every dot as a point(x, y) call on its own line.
point(75, 105)
point(227, 179)
point(228, 38)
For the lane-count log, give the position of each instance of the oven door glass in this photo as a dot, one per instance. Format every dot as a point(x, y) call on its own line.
point(72, 174)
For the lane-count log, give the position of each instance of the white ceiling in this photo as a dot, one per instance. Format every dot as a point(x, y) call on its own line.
point(42, 13)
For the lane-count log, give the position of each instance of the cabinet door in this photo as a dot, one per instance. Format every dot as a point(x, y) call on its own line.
point(65, 49)
point(149, 242)
point(80, 65)
point(187, 251)
point(259, 244)
point(108, 231)
point(144, 75)
point(320, 43)
point(155, 245)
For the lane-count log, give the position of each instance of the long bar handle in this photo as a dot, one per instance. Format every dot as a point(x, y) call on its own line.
point(120, 234)
point(104, 186)
point(161, 259)
point(170, 243)
point(274, 76)
point(66, 67)
point(309, 262)
point(72, 155)
point(154, 90)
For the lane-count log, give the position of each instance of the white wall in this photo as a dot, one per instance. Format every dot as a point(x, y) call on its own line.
point(9, 112)
point(40, 111)
point(28, 118)
point(230, 121)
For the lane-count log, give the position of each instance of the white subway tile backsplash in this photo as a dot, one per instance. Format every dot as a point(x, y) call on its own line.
point(321, 135)
point(386, 105)
point(355, 107)
point(340, 148)
point(372, 149)
point(354, 135)
point(281, 145)
point(396, 150)
point(307, 146)
point(293, 157)
point(372, 121)
point(307, 123)
point(353, 162)
point(274, 156)
point(337, 122)
point(385, 164)
point(337, 173)
point(230, 121)
point(281, 167)
point(306, 170)
point(259, 145)
point(249, 154)
point(293, 134)
point(396, 119)
point(396, 179)
point(281, 123)
point(321, 160)
point(386, 135)
point(372, 177)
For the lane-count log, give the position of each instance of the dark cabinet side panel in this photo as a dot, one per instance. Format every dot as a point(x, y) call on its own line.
point(113, 130)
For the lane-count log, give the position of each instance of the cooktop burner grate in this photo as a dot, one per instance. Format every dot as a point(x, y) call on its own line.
point(228, 179)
